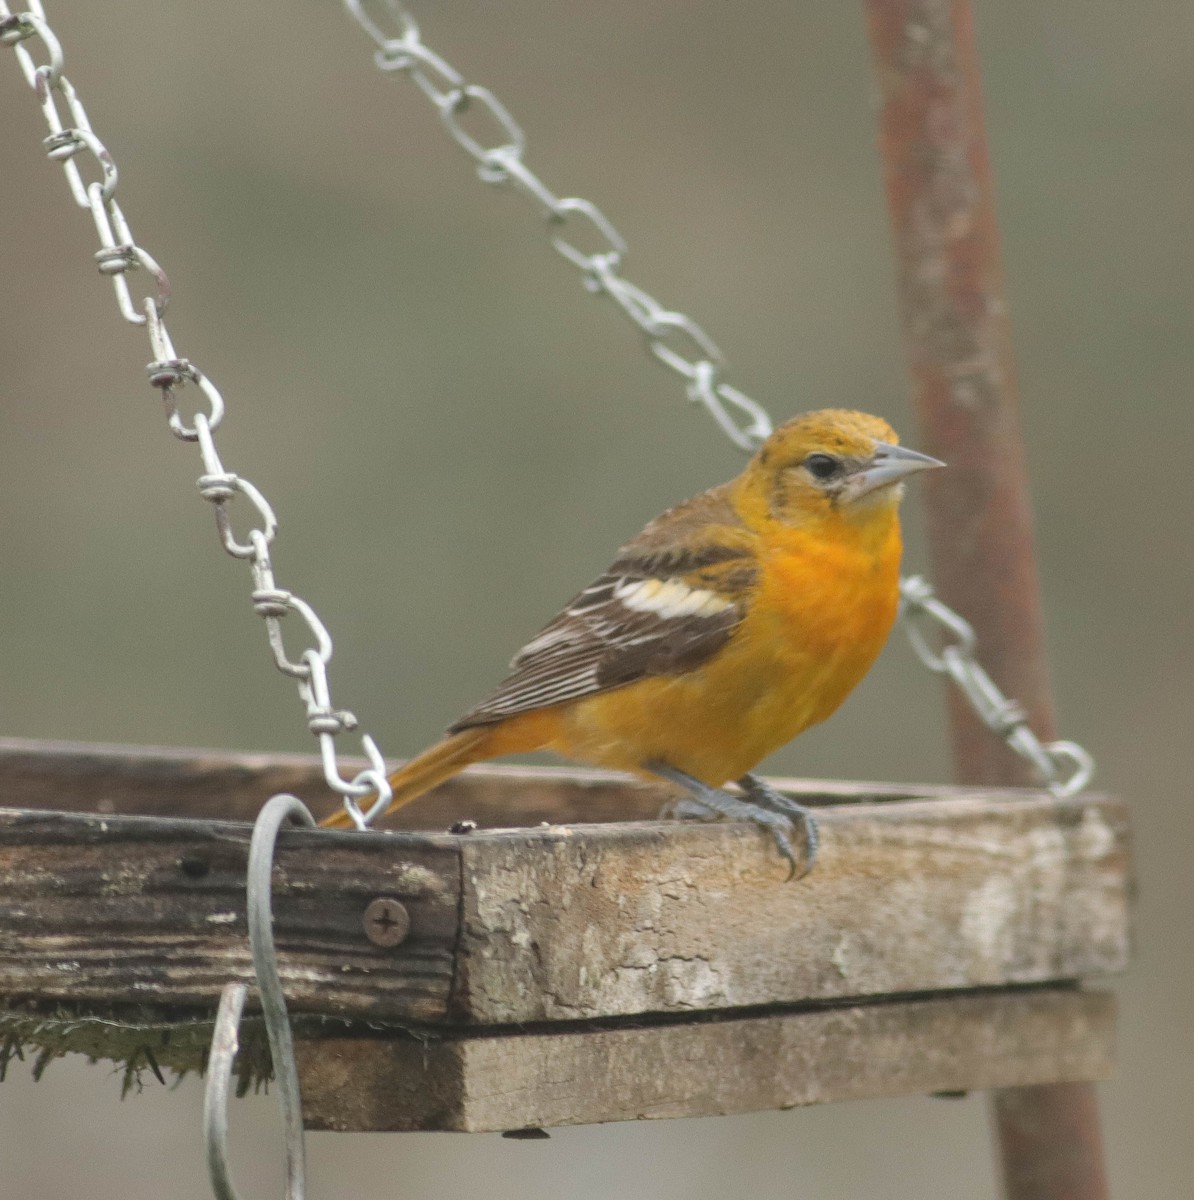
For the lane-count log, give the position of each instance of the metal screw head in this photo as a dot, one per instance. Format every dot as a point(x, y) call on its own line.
point(386, 922)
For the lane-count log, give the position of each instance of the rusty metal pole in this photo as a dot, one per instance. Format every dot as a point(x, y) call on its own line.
point(957, 339)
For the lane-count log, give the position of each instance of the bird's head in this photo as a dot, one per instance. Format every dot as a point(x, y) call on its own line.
point(832, 464)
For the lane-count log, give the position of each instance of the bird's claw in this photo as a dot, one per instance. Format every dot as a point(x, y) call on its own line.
point(764, 795)
point(706, 803)
point(781, 830)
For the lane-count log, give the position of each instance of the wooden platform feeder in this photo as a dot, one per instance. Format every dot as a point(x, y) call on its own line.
point(573, 959)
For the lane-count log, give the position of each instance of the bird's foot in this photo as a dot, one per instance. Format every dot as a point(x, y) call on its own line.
point(709, 803)
point(763, 794)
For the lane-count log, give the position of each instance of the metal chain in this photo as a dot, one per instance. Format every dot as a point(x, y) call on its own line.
point(680, 343)
point(118, 257)
point(1065, 768)
point(674, 339)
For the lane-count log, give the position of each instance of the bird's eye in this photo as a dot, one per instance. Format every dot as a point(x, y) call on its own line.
point(822, 466)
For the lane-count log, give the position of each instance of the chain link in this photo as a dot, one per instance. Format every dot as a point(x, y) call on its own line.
point(679, 343)
point(674, 339)
point(118, 258)
point(1065, 768)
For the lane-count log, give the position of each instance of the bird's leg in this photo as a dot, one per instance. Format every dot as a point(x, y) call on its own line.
point(763, 794)
point(708, 802)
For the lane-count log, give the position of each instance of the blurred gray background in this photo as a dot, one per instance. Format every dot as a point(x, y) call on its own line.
point(456, 436)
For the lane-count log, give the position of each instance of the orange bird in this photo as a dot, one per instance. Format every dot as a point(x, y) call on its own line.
point(730, 624)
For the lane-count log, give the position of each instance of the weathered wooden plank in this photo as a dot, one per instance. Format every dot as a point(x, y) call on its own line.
point(707, 1068)
point(574, 922)
point(126, 909)
point(152, 781)
point(907, 896)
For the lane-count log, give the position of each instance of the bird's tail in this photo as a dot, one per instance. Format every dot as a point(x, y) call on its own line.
point(433, 766)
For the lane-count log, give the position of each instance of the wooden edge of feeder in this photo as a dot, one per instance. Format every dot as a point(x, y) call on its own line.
point(219, 785)
point(525, 1080)
point(575, 922)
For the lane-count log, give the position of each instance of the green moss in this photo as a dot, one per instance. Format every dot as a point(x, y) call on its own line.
point(162, 1042)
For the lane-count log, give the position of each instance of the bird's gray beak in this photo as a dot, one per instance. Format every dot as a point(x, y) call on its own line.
point(889, 464)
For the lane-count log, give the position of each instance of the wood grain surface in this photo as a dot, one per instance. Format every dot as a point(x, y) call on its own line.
point(707, 1068)
point(571, 922)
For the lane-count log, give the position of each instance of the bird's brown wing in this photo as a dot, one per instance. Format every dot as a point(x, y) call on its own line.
point(672, 597)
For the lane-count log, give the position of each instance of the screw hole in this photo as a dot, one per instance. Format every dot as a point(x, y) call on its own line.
point(194, 868)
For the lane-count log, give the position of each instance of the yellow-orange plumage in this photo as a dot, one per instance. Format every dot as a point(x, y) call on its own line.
point(732, 623)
